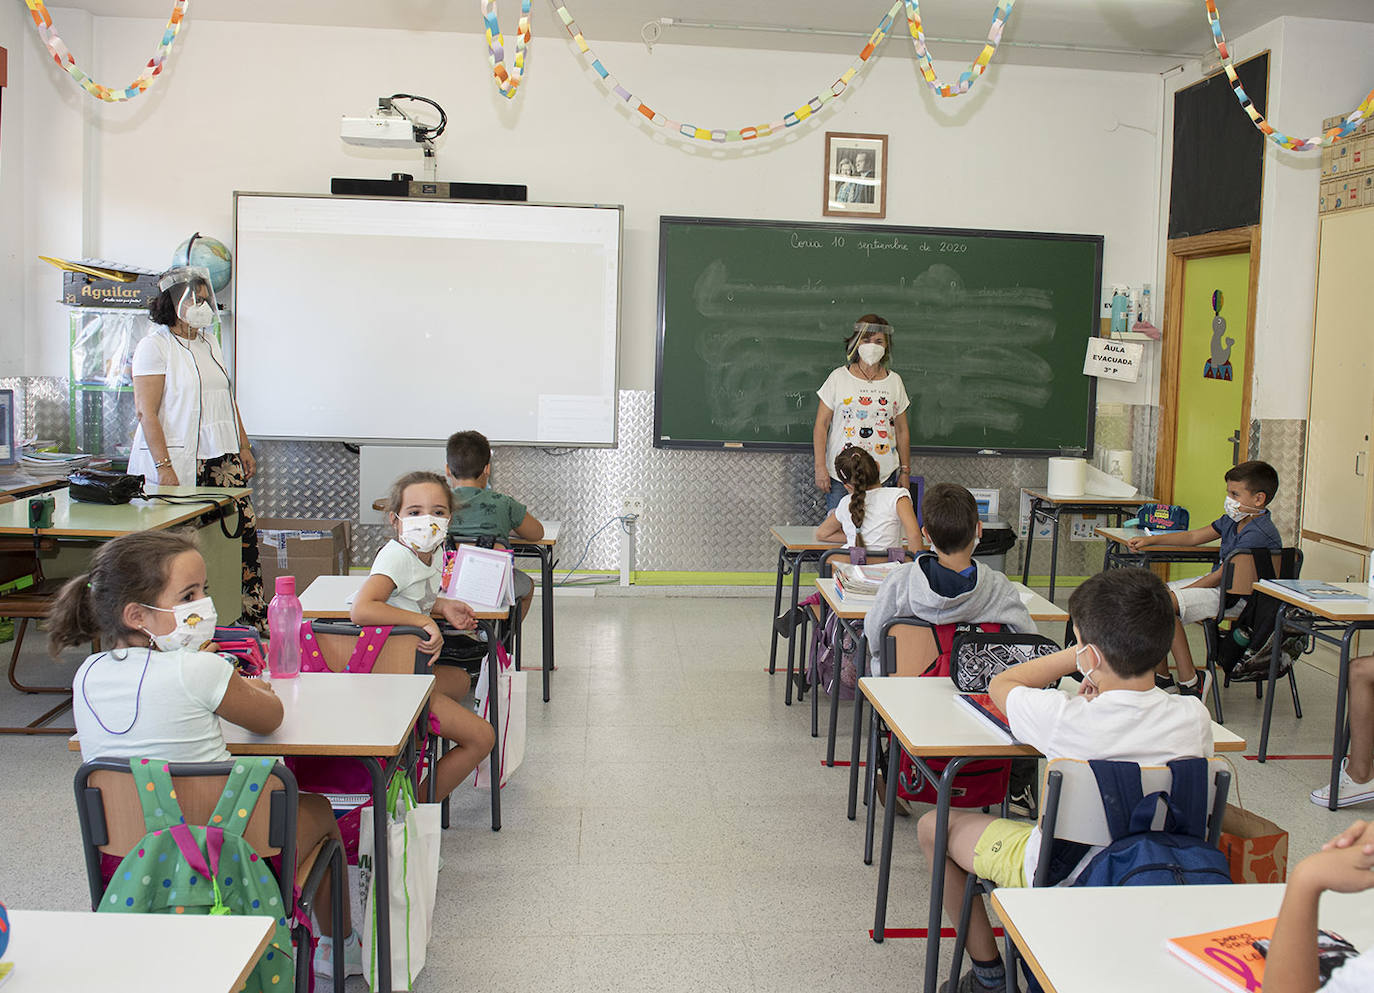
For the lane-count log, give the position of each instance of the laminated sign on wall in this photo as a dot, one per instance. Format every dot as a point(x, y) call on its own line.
point(1111, 359)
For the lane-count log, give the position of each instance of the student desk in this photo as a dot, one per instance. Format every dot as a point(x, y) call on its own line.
point(367, 717)
point(1082, 940)
point(1050, 507)
point(329, 597)
point(798, 545)
point(1321, 620)
point(19, 484)
point(131, 953)
point(924, 718)
point(1118, 555)
point(543, 548)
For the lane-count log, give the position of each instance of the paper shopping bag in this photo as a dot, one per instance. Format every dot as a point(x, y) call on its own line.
point(510, 690)
point(1255, 846)
point(412, 847)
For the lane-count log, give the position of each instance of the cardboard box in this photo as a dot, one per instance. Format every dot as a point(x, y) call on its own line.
point(302, 547)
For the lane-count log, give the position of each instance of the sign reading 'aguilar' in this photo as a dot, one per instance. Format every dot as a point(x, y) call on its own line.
point(1111, 359)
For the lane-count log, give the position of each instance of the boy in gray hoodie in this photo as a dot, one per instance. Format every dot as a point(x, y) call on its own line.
point(945, 585)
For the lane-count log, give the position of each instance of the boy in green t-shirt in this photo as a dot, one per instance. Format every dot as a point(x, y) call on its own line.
point(480, 512)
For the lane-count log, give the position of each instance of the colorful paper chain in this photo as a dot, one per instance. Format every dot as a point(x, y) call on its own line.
point(790, 119)
point(976, 68)
point(1343, 130)
point(506, 82)
point(63, 57)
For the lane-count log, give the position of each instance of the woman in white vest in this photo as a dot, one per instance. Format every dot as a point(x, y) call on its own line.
point(189, 429)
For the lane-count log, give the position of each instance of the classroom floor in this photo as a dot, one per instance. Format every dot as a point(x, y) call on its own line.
point(672, 827)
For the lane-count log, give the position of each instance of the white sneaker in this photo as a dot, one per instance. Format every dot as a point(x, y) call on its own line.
point(1349, 792)
point(323, 964)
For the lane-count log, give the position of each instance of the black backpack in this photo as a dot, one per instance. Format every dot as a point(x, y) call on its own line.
point(1258, 618)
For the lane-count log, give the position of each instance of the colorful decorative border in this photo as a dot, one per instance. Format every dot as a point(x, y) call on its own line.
point(506, 82)
point(63, 57)
point(1346, 128)
point(976, 68)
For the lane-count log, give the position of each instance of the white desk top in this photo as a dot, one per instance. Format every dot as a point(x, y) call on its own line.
point(854, 607)
point(1075, 942)
point(923, 714)
point(800, 537)
point(1123, 535)
point(1094, 499)
point(55, 950)
point(339, 713)
point(327, 597)
point(551, 531)
point(74, 519)
point(1331, 610)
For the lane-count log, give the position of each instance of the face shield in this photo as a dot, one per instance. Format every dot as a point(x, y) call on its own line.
point(192, 295)
point(862, 329)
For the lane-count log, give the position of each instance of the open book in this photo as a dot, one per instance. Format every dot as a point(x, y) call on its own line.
point(480, 576)
point(1233, 957)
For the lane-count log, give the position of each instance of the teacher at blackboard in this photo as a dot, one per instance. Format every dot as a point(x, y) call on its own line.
point(863, 404)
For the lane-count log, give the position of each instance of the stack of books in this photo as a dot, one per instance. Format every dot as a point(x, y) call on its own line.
point(53, 465)
point(861, 580)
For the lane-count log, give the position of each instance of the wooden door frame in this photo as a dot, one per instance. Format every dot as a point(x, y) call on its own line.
point(1181, 251)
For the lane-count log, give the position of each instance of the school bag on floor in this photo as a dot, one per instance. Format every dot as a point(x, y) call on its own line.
point(180, 868)
point(1178, 853)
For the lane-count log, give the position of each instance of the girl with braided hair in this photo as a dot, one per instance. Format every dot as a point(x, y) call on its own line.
point(869, 515)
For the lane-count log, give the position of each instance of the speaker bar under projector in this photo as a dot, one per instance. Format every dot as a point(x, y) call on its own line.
point(428, 190)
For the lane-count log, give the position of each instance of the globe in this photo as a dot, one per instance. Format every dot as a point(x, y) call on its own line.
point(208, 254)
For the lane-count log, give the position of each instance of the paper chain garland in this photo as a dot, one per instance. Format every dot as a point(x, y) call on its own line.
point(979, 65)
point(506, 82)
point(1343, 130)
point(63, 57)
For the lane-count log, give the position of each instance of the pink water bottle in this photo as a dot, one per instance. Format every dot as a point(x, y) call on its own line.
point(284, 627)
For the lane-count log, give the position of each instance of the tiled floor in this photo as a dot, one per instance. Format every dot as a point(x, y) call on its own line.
point(672, 827)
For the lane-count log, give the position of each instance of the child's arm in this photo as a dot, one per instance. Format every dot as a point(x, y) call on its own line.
point(1343, 865)
point(907, 515)
point(529, 528)
point(1037, 674)
point(829, 529)
point(251, 704)
point(1197, 536)
point(370, 608)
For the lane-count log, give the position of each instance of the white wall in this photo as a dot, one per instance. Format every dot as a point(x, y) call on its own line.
point(1317, 69)
point(13, 25)
point(256, 107)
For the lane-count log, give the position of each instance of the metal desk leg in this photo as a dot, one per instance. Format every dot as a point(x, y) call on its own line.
point(1274, 654)
point(1338, 744)
point(494, 715)
point(937, 872)
point(871, 780)
point(796, 595)
point(777, 609)
point(855, 737)
point(546, 593)
point(1030, 542)
point(894, 752)
point(860, 653)
point(1054, 548)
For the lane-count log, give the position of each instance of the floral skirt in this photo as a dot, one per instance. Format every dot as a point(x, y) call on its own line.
point(227, 470)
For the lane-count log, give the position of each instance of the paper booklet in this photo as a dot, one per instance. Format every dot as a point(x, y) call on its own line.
point(982, 705)
point(1315, 589)
point(1233, 957)
point(482, 576)
point(862, 580)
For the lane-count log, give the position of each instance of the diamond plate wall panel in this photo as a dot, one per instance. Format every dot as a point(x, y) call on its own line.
point(1282, 443)
point(706, 511)
point(45, 413)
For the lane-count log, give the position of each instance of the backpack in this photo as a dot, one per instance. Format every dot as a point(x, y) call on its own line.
point(1162, 517)
point(189, 869)
point(1176, 855)
point(1258, 618)
point(981, 783)
point(831, 637)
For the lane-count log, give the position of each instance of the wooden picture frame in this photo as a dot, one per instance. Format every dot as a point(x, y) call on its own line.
point(854, 175)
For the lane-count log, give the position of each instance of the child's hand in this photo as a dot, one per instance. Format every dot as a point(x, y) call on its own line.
point(434, 642)
point(457, 613)
point(1139, 542)
point(1343, 864)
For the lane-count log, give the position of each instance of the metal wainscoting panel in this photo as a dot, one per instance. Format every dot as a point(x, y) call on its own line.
point(1282, 442)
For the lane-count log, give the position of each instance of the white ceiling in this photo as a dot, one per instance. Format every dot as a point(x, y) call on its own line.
point(1163, 28)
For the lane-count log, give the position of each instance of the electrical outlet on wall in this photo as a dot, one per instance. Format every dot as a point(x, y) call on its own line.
point(632, 506)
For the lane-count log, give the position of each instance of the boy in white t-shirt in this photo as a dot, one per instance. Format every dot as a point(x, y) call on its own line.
point(1124, 621)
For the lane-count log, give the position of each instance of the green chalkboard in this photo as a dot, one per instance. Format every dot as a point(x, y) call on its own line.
point(991, 331)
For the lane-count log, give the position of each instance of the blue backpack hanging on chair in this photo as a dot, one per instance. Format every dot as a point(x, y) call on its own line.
point(1177, 853)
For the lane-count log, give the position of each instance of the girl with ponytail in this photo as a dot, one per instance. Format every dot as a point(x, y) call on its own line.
point(870, 515)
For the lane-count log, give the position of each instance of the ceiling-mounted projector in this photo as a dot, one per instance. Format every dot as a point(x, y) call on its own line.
point(391, 127)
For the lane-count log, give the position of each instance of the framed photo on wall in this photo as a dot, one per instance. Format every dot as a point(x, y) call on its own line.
point(855, 175)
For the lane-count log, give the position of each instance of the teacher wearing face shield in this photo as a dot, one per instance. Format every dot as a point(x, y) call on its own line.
point(863, 405)
point(189, 430)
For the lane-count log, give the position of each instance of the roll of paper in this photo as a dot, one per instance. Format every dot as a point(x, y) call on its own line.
point(1068, 477)
point(1118, 462)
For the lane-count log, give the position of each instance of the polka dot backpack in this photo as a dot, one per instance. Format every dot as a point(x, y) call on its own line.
point(180, 868)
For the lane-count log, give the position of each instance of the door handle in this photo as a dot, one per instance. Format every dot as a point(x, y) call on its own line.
point(1360, 458)
point(1235, 447)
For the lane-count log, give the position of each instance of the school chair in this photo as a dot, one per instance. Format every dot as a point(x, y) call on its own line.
point(1075, 814)
point(112, 824)
point(1239, 573)
point(26, 595)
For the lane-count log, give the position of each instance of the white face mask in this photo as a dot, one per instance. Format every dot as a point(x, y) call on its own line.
point(1237, 511)
point(424, 533)
point(871, 353)
point(200, 315)
point(1085, 673)
point(195, 626)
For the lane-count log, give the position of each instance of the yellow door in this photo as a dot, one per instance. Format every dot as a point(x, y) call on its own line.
point(1216, 295)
